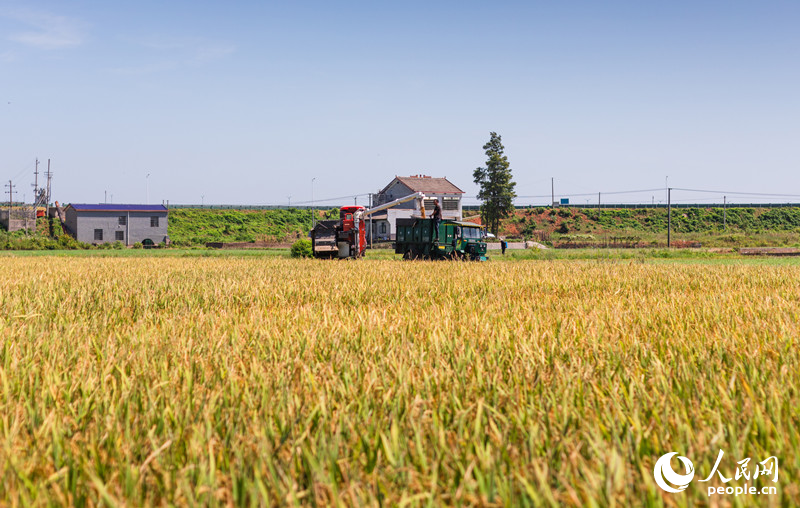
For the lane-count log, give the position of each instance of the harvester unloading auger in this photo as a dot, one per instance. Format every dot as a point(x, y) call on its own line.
point(416, 237)
point(347, 237)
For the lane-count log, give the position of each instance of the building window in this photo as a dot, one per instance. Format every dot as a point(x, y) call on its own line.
point(428, 203)
point(383, 228)
point(98, 235)
point(123, 220)
point(153, 222)
point(119, 236)
point(449, 203)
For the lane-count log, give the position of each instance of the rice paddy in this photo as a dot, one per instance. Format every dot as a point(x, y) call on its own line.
point(254, 381)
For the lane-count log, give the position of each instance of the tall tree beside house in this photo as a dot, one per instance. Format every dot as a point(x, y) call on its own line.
point(496, 185)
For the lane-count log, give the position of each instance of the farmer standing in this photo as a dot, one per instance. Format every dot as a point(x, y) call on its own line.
point(437, 217)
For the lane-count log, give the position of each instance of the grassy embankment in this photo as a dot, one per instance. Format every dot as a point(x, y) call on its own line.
point(734, 227)
point(190, 226)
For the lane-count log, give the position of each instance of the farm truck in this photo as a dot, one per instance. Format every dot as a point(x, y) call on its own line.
point(417, 239)
point(346, 237)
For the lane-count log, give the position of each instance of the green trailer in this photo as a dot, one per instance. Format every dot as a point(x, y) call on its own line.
point(415, 239)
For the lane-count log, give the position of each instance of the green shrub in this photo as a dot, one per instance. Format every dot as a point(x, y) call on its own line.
point(302, 248)
point(138, 245)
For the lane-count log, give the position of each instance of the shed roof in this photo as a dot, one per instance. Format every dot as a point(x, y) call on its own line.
point(427, 184)
point(106, 207)
point(467, 224)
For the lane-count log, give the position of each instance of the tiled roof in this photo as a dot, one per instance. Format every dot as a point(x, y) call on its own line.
point(429, 184)
point(106, 207)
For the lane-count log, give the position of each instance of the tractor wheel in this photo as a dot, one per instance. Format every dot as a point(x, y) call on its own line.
point(411, 254)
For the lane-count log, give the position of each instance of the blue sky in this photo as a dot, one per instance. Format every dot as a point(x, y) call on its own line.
point(247, 102)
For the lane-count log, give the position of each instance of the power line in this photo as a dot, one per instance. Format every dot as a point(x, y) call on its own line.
point(738, 193)
point(351, 196)
point(630, 191)
point(582, 194)
point(468, 199)
point(22, 171)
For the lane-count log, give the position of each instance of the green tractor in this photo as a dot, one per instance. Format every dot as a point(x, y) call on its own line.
point(416, 239)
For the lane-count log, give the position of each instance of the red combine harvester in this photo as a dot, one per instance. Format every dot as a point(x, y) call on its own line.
point(352, 235)
point(347, 237)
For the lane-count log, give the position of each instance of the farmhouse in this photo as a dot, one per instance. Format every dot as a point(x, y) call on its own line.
point(449, 196)
point(129, 224)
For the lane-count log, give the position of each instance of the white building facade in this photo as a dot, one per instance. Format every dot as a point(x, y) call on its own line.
point(449, 196)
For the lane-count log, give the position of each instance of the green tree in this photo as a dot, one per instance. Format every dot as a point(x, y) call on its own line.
point(496, 185)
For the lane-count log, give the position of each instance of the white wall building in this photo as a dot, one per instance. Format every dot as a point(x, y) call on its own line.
point(449, 196)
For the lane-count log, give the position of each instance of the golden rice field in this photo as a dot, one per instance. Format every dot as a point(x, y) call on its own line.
point(270, 381)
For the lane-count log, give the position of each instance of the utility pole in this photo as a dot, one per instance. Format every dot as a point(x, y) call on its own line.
point(10, 201)
point(669, 217)
point(552, 192)
point(598, 200)
point(724, 212)
point(25, 212)
point(313, 210)
point(371, 204)
point(36, 185)
point(49, 176)
point(147, 189)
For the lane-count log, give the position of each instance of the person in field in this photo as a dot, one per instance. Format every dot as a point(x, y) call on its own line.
point(437, 217)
